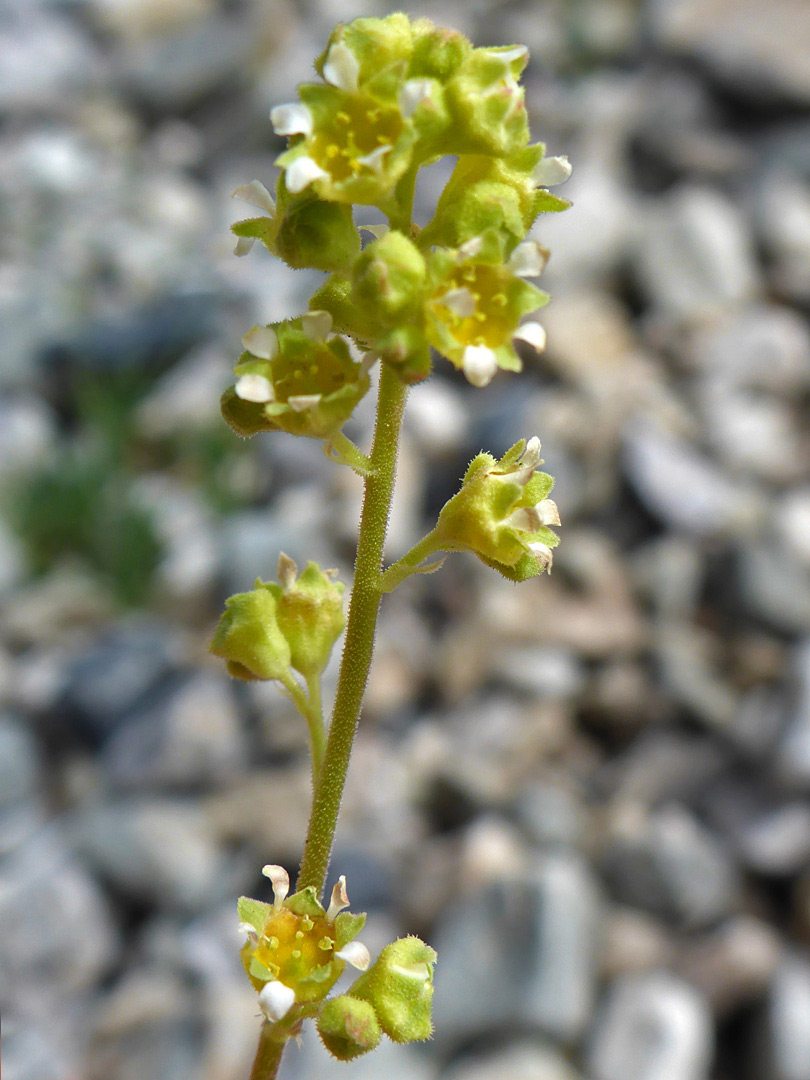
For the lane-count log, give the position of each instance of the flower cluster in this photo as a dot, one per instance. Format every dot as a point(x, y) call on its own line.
point(295, 623)
point(392, 95)
point(295, 376)
point(396, 94)
point(502, 513)
point(295, 951)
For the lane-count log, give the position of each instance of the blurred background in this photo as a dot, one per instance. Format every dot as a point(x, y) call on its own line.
point(591, 793)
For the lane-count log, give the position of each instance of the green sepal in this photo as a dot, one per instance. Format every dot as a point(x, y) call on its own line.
point(538, 487)
point(335, 296)
point(258, 228)
point(408, 352)
point(438, 52)
point(399, 985)
point(487, 104)
point(305, 902)
point(389, 279)
point(543, 202)
point(254, 912)
point(260, 972)
point(309, 611)
point(347, 926)
point(249, 639)
point(348, 1027)
point(525, 568)
point(317, 234)
point(378, 45)
point(491, 193)
point(319, 981)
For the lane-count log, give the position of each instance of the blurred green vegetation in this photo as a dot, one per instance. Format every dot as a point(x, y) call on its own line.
point(81, 505)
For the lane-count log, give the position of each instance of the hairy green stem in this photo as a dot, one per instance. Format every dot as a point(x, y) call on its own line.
point(409, 563)
point(362, 622)
point(268, 1055)
point(342, 449)
point(311, 710)
point(317, 734)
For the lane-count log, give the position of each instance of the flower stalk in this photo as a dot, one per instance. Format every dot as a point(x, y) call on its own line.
point(362, 622)
point(395, 94)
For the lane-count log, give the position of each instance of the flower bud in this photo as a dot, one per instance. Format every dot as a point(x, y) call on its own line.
point(486, 193)
point(406, 348)
point(249, 638)
point(389, 278)
point(487, 103)
point(348, 1027)
point(502, 513)
point(400, 988)
point(309, 611)
point(317, 234)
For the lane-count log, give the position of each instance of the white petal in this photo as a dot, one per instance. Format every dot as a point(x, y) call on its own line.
point(548, 512)
point(286, 571)
point(262, 342)
point(339, 901)
point(412, 94)
point(249, 929)
point(341, 68)
point(301, 173)
point(280, 880)
point(517, 52)
point(542, 552)
point(374, 160)
point(356, 954)
point(460, 301)
point(471, 248)
point(531, 455)
point(528, 259)
point(295, 119)
point(479, 364)
point(302, 402)
point(256, 194)
point(525, 518)
point(532, 333)
point(276, 1000)
point(254, 388)
point(376, 230)
point(243, 245)
point(552, 171)
point(317, 324)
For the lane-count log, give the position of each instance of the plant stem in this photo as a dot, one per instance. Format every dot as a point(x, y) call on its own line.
point(362, 622)
point(311, 710)
point(268, 1055)
point(409, 563)
point(316, 730)
point(342, 449)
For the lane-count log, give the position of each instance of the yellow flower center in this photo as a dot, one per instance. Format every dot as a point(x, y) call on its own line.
point(357, 129)
point(292, 946)
point(305, 371)
point(490, 323)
